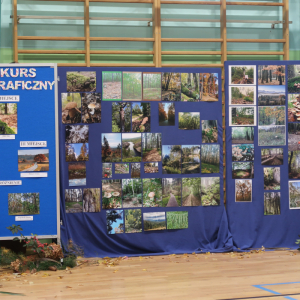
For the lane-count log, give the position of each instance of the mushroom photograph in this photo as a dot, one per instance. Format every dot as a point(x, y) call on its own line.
point(33, 160)
point(152, 192)
point(111, 193)
point(293, 78)
point(294, 108)
point(132, 192)
point(106, 170)
point(91, 108)
point(71, 108)
point(81, 81)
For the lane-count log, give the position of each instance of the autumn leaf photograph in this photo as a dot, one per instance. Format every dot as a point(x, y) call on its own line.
point(243, 190)
point(171, 87)
point(8, 118)
point(271, 115)
point(33, 160)
point(271, 75)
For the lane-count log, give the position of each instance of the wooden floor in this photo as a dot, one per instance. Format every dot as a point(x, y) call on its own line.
point(202, 276)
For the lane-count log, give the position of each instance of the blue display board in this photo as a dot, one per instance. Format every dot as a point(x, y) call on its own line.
point(29, 161)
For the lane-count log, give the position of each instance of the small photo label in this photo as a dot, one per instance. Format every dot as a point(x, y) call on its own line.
point(33, 144)
point(44, 174)
point(10, 182)
point(7, 137)
point(9, 98)
point(23, 218)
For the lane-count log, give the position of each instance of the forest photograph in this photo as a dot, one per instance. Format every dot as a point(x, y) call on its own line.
point(294, 136)
point(166, 114)
point(294, 194)
point(71, 108)
point(23, 204)
point(242, 95)
point(271, 75)
point(271, 135)
point(154, 221)
point(151, 86)
point(271, 95)
point(209, 87)
point(210, 158)
point(152, 192)
point(171, 87)
point(151, 167)
point(272, 178)
point(294, 164)
point(171, 192)
point(242, 135)
point(242, 75)
point(241, 170)
point(106, 170)
point(189, 120)
point(190, 159)
point(191, 191)
point(77, 152)
point(135, 170)
point(271, 203)
point(293, 107)
point(111, 193)
point(177, 219)
point(151, 147)
point(141, 117)
point(8, 118)
point(33, 160)
point(132, 192)
point(111, 147)
point(293, 78)
point(121, 117)
point(190, 87)
point(73, 200)
point(77, 173)
point(241, 116)
point(133, 220)
point(271, 115)
point(77, 134)
point(209, 131)
point(272, 156)
point(91, 200)
point(115, 221)
point(243, 152)
point(122, 168)
point(81, 81)
point(171, 159)
point(91, 108)
point(243, 190)
point(132, 86)
point(210, 191)
point(111, 86)
point(131, 147)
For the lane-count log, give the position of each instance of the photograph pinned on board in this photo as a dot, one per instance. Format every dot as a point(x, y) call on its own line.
point(122, 168)
point(241, 116)
point(177, 219)
point(171, 159)
point(111, 193)
point(271, 115)
point(272, 178)
point(77, 173)
point(293, 79)
point(242, 95)
point(271, 135)
point(111, 86)
point(294, 107)
point(294, 194)
point(133, 220)
point(132, 86)
point(171, 87)
point(189, 120)
point(73, 201)
point(271, 75)
point(210, 159)
point(272, 156)
point(243, 152)
point(115, 221)
point(121, 117)
point(190, 159)
point(8, 118)
point(141, 117)
point(151, 147)
point(111, 147)
point(106, 170)
point(81, 81)
point(77, 152)
point(71, 108)
point(190, 91)
point(135, 170)
point(131, 147)
point(166, 114)
point(242, 75)
point(243, 190)
point(154, 221)
point(151, 167)
point(242, 135)
point(271, 203)
point(191, 191)
point(242, 170)
point(33, 160)
point(293, 136)
point(23, 204)
point(209, 87)
point(91, 200)
point(132, 192)
point(209, 131)
point(91, 108)
point(77, 134)
point(152, 192)
point(294, 164)
point(171, 192)
point(271, 95)
point(210, 191)
point(151, 86)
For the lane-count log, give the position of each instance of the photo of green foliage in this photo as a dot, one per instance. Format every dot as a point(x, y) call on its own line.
point(151, 147)
point(8, 118)
point(121, 117)
point(210, 191)
point(81, 81)
point(242, 170)
point(131, 147)
point(210, 158)
point(132, 86)
point(152, 192)
point(209, 131)
point(242, 95)
point(240, 116)
point(73, 200)
point(242, 135)
point(190, 87)
point(166, 114)
point(272, 178)
point(24, 204)
point(191, 191)
point(154, 221)
point(294, 194)
point(171, 87)
point(242, 74)
point(190, 159)
point(271, 115)
point(133, 220)
point(141, 117)
point(272, 203)
point(171, 162)
point(132, 192)
point(177, 219)
point(294, 164)
point(171, 192)
point(151, 86)
point(271, 135)
point(189, 120)
point(111, 86)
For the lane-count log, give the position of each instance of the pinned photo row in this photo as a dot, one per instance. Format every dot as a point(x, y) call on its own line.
point(124, 168)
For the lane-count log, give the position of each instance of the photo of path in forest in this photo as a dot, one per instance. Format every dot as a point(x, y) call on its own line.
point(190, 159)
point(271, 75)
point(210, 191)
point(243, 190)
point(106, 170)
point(154, 221)
point(132, 192)
point(132, 86)
point(24, 204)
point(131, 147)
point(242, 135)
point(241, 116)
point(152, 192)
point(271, 203)
point(271, 95)
point(141, 117)
point(191, 191)
point(171, 159)
point(111, 147)
point(210, 158)
point(111, 193)
point(91, 108)
point(81, 81)
point(121, 168)
point(8, 118)
point(111, 86)
point(271, 115)
point(73, 200)
point(151, 86)
point(293, 78)
point(294, 194)
point(135, 170)
point(171, 87)
point(121, 117)
point(190, 87)
point(209, 131)
point(294, 164)
point(294, 107)
point(272, 156)
point(133, 220)
point(209, 87)
point(151, 167)
point(77, 173)
point(77, 152)
point(242, 75)
point(271, 135)
point(241, 170)
point(171, 192)
point(272, 178)
point(177, 219)
point(242, 95)
point(151, 147)
point(91, 200)
point(115, 221)
point(243, 152)
point(33, 160)
point(77, 134)
point(293, 136)
point(71, 108)
point(166, 114)
point(189, 120)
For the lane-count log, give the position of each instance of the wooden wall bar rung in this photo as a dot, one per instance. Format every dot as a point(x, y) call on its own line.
point(255, 53)
point(256, 40)
point(122, 65)
point(121, 52)
point(213, 40)
point(25, 51)
point(255, 3)
point(51, 38)
point(127, 39)
point(191, 52)
point(191, 2)
point(193, 65)
point(71, 64)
